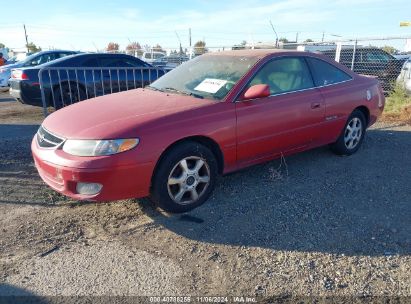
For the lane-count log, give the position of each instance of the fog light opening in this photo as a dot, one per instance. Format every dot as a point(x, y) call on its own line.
point(88, 188)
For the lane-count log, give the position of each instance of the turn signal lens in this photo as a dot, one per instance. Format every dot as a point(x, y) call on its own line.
point(127, 144)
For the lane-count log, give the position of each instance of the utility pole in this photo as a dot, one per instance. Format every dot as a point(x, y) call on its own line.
point(322, 39)
point(276, 36)
point(191, 49)
point(296, 37)
point(27, 40)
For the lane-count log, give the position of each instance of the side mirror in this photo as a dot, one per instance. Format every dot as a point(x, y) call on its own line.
point(256, 91)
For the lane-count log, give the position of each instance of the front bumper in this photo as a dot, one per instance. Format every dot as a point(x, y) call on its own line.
point(119, 182)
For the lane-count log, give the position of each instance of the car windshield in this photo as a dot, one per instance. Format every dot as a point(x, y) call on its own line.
point(207, 76)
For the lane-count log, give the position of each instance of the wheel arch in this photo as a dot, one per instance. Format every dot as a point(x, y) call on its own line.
point(366, 113)
point(201, 139)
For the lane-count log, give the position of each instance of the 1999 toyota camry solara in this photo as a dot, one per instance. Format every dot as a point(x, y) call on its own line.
point(215, 114)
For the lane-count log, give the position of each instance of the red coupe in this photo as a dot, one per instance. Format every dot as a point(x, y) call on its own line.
point(215, 114)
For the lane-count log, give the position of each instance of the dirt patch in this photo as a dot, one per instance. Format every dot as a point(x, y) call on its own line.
point(13, 112)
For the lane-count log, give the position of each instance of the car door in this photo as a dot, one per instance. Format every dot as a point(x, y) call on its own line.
point(285, 121)
point(332, 83)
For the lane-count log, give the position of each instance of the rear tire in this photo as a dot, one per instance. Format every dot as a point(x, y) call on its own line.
point(352, 135)
point(185, 178)
point(70, 95)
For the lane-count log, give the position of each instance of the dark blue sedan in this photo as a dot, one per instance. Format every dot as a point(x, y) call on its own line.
point(81, 76)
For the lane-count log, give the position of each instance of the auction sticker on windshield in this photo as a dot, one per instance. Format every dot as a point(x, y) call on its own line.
point(210, 85)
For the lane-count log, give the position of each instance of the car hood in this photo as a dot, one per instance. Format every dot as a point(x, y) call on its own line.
point(118, 115)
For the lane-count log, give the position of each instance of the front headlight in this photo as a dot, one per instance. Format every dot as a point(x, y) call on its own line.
point(84, 147)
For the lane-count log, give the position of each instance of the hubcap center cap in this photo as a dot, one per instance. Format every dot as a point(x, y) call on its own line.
point(190, 181)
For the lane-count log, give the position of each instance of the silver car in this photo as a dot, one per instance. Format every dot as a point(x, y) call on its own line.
point(32, 60)
point(404, 79)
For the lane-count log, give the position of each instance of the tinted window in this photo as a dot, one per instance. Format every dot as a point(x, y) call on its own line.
point(41, 59)
point(376, 56)
point(325, 73)
point(134, 63)
point(284, 75)
point(61, 55)
point(111, 62)
point(90, 63)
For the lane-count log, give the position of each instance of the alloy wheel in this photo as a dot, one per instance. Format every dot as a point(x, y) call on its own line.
point(353, 133)
point(188, 180)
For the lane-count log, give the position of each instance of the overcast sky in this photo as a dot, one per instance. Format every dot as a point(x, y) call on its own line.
point(87, 25)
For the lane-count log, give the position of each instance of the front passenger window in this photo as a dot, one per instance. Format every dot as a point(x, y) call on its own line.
point(284, 75)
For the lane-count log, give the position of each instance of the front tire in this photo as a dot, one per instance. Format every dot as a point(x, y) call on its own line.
point(352, 135)
point(185, 178)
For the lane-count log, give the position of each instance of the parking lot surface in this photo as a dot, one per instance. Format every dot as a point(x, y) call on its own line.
point(311, 224)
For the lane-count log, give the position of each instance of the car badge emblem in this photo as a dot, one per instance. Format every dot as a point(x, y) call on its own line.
point(41, 137)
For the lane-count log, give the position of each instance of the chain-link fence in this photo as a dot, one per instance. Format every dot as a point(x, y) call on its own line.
point(376, 57)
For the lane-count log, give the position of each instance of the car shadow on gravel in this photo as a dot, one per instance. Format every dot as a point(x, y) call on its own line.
point(312, 202)
point(10, 294)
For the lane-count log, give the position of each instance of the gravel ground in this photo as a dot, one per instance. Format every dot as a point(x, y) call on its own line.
point(313, 224)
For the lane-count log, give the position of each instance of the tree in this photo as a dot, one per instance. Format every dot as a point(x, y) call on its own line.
point(243, 43)
point(113, 47)
point(157, 48)
point(133, 46)
point(390, 49)
point(283, 40)
point(32, 48)
point(2, 46)
point(309, 40)
point(200, 47)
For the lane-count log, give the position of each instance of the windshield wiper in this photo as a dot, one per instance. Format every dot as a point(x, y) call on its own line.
point(183, 92)
point(153, 88)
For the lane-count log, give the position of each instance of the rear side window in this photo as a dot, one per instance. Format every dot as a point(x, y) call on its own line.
point(114, 62)
point(325, 73)
point(134, 63)
point(90, 63)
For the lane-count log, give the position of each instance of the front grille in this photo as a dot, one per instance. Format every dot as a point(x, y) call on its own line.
point(47, 140)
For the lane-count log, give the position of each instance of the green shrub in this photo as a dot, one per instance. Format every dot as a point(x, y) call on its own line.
point(397, 99)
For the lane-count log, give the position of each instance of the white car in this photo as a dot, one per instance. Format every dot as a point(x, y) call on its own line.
point(30, 61)
point(151, 56)
point(404, 78)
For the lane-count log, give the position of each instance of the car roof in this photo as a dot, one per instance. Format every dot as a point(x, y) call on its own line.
point(260, 53)
point(53, 51)
point(86, 55)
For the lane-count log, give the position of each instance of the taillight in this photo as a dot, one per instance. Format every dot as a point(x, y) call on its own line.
point(18, 74)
